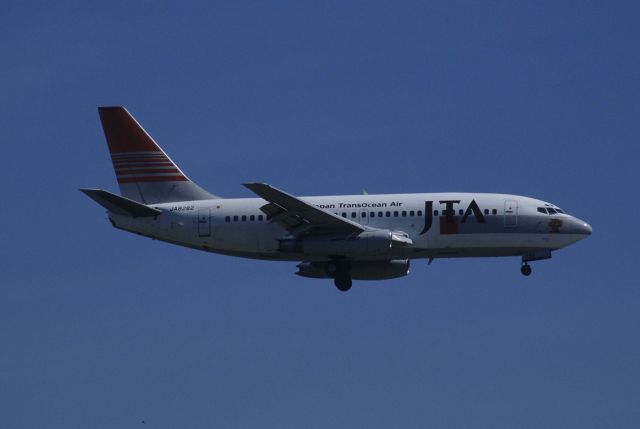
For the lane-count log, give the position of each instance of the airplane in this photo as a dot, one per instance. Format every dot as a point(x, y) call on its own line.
point(339, 237)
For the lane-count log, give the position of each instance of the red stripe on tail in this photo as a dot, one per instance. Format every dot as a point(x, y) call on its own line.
point(148, 171)
point(152, 179)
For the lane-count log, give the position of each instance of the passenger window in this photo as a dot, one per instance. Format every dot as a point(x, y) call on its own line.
point(435, 212)
point(379, 214)
point(419, 212)
point(260, 217)
point(404, 214)
point(494, 211)
point(373, 214)
point(353, 215)
point(486, 211)
point(460, 212)
point(244, 218)
point(363, 214)
point(252, 217)
point(412, 213)
point(388, 214)
point(344, 214)
point(227, 219)
point(395, 214)
point(235, 218)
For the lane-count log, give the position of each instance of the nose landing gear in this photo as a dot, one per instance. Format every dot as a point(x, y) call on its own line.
point(538, 255)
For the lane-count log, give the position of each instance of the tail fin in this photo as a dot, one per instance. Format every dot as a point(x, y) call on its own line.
point(144, 172)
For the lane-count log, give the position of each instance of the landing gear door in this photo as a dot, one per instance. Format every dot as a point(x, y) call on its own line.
point(510, 213)
point(204, 222)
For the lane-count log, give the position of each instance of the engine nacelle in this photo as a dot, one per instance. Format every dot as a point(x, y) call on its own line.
point(359, 270)
point(368, 242)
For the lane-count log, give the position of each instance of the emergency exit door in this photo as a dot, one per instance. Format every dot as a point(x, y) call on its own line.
point(364, 217)
point(510, 213)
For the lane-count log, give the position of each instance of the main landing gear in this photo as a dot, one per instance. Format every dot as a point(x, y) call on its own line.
point(339, 270)
point(525, 269)
point(343, 283)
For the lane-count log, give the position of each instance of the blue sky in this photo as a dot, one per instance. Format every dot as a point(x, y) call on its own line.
point(100, 328)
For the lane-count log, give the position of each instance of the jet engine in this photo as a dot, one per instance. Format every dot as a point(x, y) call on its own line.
point(359, 270)
point(369, 242)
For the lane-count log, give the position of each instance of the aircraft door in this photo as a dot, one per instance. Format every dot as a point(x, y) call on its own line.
point(204, 223)
point(364, 217)
point(510, 213)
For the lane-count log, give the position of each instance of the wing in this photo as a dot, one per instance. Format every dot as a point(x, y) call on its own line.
point(298, 217)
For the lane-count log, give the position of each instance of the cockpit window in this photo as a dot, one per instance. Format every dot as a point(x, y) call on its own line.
point(551, 211)
point(559, 211)
point(542, 210)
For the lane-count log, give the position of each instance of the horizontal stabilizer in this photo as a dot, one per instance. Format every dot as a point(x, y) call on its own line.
point(120, 205)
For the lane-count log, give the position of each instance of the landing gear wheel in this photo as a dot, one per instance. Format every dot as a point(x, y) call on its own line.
point(525, 269)
point(343, 283)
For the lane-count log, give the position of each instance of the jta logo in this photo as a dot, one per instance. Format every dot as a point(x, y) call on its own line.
point(449, 218)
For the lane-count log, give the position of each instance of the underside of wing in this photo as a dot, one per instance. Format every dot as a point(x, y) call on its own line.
point(301, 218)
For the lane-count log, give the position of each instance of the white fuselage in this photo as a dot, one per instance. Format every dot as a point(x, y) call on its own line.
point(438, 224)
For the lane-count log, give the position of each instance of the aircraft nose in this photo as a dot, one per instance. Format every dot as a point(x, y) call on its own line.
point(582, 227)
